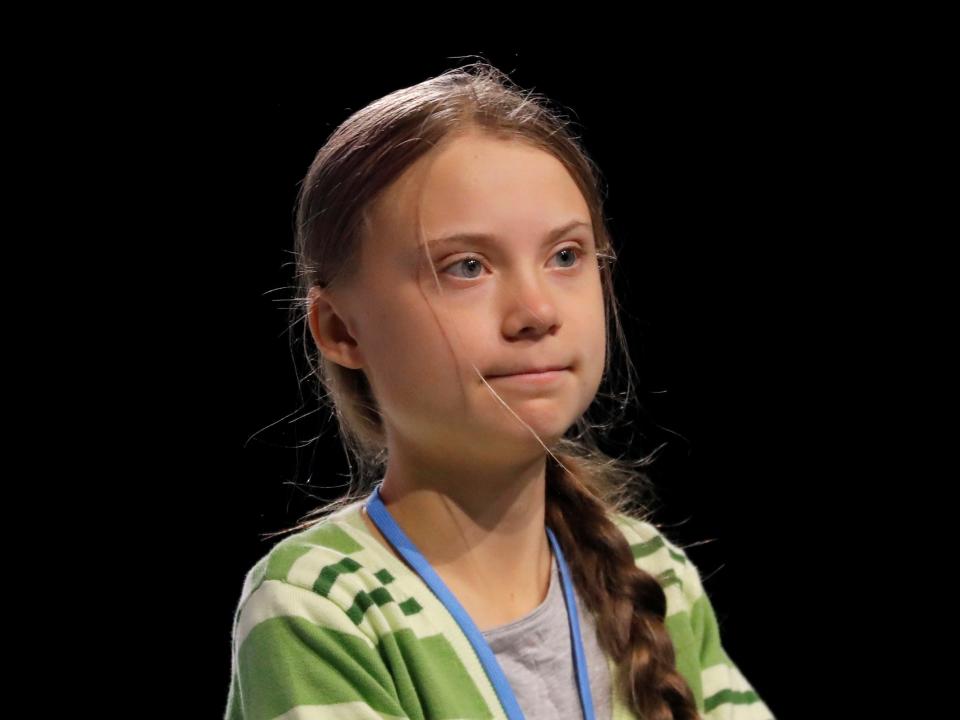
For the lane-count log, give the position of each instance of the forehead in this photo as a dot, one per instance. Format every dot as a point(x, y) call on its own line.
point(478, 184)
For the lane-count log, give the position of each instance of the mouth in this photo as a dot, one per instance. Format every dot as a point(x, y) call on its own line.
point(546, 375)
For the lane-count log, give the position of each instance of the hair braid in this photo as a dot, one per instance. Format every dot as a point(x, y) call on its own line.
point(628, 603)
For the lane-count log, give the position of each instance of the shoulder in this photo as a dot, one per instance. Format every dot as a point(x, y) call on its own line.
point(656, 553)
point(310, 573)
point(302, 639)
point(718, 685)
point(650, 545)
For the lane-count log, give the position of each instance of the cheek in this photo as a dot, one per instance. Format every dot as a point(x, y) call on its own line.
point(408, 356)
point(593, 335)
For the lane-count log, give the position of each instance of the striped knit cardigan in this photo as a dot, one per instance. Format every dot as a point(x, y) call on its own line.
point(331, 625)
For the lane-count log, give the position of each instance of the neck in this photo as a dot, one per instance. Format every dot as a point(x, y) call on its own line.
point(485, 537)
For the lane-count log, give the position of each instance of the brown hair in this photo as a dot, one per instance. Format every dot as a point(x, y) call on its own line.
point(363, 156)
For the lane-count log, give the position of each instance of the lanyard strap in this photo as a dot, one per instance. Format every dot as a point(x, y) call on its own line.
point(378, 512)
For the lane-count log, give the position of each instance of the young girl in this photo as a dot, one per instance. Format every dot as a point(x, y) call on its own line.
point(493, 562)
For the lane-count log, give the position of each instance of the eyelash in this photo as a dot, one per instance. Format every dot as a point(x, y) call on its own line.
point(580, 252)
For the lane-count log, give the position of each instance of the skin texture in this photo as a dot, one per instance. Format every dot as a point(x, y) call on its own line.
point(465, 478)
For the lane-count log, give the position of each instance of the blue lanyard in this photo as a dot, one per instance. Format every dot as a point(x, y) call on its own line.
point(379, 514)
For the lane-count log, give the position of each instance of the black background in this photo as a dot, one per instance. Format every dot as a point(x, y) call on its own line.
point(741, 181)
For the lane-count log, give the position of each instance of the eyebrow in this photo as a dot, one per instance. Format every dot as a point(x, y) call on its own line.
point(487, 238)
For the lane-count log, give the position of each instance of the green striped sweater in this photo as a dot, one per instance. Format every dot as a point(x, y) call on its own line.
point(330, 624)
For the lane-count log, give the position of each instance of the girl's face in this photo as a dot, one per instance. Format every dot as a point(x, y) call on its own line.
point(527, 297)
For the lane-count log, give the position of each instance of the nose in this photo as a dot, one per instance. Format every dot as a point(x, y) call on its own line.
point(531, 308)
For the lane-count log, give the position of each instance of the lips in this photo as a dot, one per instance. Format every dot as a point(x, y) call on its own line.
point(531, 370)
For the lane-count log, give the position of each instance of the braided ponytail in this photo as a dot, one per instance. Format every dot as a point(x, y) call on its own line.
point(628, 603)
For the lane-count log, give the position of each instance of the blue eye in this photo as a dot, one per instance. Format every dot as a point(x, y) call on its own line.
point(474, 259)
point(470, 259)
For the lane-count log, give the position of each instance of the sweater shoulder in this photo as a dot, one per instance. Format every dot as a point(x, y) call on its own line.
point(656, 553)
point(327, 558)
point(648, 542)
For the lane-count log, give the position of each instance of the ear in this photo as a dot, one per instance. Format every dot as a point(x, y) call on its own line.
point(330, 331)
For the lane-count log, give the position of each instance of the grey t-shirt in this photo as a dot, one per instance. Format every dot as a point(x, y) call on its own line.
point(536, 654)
